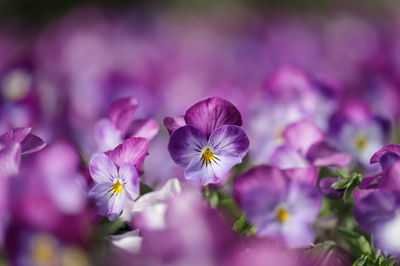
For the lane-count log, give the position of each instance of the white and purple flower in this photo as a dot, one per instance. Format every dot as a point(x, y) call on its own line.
point(110, 132)
point(13, 144)
point(116, 176)
point(278, 207)
point(210, 143)
point(378, 213)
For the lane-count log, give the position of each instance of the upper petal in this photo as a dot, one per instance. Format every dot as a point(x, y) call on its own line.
point(392, 148)
point(301, 135)
point(131, 151)
point(15, 135)
point(102, 169)
point(144, 128)
point(29, 142)
point(32, 143)
point(229, 139)
point(185, 143)
point(173, 123)
point(322, 154)
point(10, 158)
point(121, 112)
point(106, 135)
point(210, 114)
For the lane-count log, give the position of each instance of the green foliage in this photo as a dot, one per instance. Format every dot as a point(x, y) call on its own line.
point(348, 184)
point(243, 227)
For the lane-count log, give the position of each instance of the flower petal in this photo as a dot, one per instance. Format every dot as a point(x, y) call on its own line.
point(101, 194)
point(102, 169)
point(325, 186)
point(10, 158)
point(131, 151)
point(106, 135)
point(230, 141)
point(392, 148)
point(322, 154)
point(121, 113)
point(286, 157)
point(173, 123)
point(376, 207)
point(301, 135)
point(15, 135)
point(185, 143)
point(210, 114)
point(32, 143)
point(258, 191)
point(144, 128)
point(129, 175)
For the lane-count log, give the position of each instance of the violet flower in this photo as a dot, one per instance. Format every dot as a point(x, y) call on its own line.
point(111, 131)
point(388, 158)
point(305, 149)
point(15, 143)
point(210, 143)
point(378, 214)
point(277, 206)
point(358, 131)
point(116, 176)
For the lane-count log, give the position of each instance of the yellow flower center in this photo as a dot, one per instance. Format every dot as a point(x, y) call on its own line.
point(117, 188)
point(207, 156)
point(43, 250)
point(282, 215)
point(361, 142)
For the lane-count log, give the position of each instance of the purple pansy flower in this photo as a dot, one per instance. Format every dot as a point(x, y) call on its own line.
point(304, 150)
point(120, 124)
point(388, 158)
point(358, 131)
point(378, 213)
point(15, 143)
point(116, 176)
point(210, 143)
point(279, 207)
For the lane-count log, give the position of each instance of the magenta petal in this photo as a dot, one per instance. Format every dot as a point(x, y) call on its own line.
point(308, 175)
point(106, 135)
point(15, 135)
point(370, 181)
point(10, 158)
point(325, 186)
point(173, 123)
point(144, 128)
point(32, 143)
point(121, 113)
point(210, 114)
point(186, 143)
point(392, 148)
point(302, 135)
point(390, 177)
point(286, 157)
point(259, 177)
point(102, 169)
point(131, 151)
point(322, 154)
point(129, 175)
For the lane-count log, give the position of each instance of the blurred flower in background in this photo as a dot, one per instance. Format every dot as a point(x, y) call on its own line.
point(199, 133)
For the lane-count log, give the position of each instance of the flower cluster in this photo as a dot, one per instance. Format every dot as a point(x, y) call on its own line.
point(198, 143)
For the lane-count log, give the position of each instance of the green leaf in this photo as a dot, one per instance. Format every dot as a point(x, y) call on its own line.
point(341, 184)
point(144, 189)
point(357, 242)
point(242, 226)
point(361, 261)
